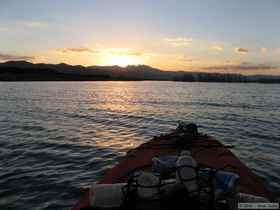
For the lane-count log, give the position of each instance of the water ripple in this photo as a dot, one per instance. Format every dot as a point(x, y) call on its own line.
point(58, 137)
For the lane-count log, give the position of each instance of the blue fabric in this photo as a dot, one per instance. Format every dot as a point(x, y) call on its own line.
point(164, 164)
point(224, 180)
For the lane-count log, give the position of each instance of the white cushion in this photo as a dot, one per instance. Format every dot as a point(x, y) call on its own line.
point(187, 172)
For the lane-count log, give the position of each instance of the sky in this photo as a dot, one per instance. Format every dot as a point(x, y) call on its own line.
point(233, 36)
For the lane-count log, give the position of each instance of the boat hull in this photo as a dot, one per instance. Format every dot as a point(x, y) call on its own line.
point(205, 150)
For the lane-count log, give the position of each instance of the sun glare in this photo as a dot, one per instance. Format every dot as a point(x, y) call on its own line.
point(120, 60)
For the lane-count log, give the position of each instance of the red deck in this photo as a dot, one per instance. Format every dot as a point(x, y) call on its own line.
point(206, 151)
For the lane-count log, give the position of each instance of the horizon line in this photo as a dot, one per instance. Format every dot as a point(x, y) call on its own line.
point(137, 65)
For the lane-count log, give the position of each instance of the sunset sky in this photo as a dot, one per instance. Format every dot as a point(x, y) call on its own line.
point(240, 36)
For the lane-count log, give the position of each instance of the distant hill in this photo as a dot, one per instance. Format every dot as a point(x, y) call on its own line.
point(25, 71)
point(22, 70)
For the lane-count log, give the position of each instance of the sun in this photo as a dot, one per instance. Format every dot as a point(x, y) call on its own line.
point(120, 60)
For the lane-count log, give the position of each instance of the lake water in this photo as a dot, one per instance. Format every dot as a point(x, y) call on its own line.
point(57, 137)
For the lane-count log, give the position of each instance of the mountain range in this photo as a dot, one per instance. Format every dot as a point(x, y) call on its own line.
point(26, 71)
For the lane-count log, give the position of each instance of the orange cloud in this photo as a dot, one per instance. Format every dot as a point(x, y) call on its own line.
point(241, 50)
point(123, 51)
point(114, 51)
point(76, 50)
point(7, 57)
point(185, 59)
point(244, 66)
point(264, 50)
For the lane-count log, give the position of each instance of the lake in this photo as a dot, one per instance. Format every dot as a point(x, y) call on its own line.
point(58, 137)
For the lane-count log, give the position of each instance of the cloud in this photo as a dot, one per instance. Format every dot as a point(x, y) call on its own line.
point(124, 51)
point(76, 50)
point(241, 50)
point(185, 59)
point(7, 57)
point(188, 60)
point(32, 24)
point(217, 48)
point(178, 41)
point(24, 24)
point(264, 50)
point(244, 66)
point(113, 51)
